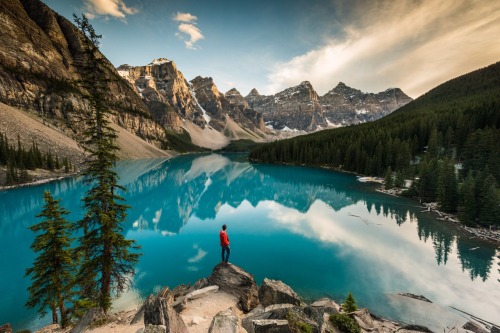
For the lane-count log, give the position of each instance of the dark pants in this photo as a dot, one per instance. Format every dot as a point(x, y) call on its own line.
point(227, 250)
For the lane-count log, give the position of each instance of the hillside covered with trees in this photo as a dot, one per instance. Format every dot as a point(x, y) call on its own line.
point(447, 140)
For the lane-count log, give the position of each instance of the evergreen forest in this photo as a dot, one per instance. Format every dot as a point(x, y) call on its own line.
point(18, 160)
point(446, 141)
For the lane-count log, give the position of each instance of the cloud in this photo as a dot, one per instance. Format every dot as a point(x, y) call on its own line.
point(412, 45)
point(184, 17)
point(189, 28)
point(115, 8)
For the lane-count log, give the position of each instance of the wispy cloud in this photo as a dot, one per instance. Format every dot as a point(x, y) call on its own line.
point(413, 45)
point(114, 8)
point(188, 27)
point(184, 17)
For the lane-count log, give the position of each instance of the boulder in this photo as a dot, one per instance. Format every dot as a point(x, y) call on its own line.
point(270, 325)
point(224, 322)
point(202, 292)
point(277, 292)
point(320, 312)
point(5, 328)
point(235, 281)
point(93, 317)
point(158, 310)
point(295, 315)
point(364, 319)
point(155, 329)
point(327, 305)
point(471, 326)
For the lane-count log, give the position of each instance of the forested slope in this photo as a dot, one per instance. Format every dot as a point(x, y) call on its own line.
point(456, 122)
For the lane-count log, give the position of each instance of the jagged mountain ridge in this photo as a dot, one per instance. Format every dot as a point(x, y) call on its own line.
point(300, 107)
point(196, 107)
point(38, 70)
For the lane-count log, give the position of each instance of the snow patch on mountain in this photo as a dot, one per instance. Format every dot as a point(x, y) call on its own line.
point(205, 114)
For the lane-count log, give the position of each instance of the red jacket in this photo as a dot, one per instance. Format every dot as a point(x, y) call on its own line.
point(224, 240)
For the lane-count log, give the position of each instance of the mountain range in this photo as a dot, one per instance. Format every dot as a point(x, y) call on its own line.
point(154, 106)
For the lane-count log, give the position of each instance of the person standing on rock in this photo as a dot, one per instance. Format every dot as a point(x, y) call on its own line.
point(224, 243)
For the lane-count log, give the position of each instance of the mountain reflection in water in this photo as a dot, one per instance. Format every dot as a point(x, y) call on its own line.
point(322, 232)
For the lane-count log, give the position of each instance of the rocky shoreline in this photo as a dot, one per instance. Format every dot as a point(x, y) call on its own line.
point(485, 234)
point(229, 300)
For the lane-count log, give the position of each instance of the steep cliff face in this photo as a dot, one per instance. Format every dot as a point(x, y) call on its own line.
point(165, 91)
point(294, 108)
point(38, 70)
point(300, 108)
point(218, 106)
point(344, 105)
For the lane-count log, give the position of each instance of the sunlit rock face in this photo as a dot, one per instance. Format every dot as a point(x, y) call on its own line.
point(344, 105)
point(301, 109)
point(165, 90)
point(39, 50)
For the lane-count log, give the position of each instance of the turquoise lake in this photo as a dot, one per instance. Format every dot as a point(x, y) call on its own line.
point(321, 232)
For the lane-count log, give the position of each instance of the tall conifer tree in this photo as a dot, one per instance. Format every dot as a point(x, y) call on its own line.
point(51, 273)
point(108, 258)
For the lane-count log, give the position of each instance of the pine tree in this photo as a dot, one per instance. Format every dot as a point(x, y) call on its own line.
point(489, 210)
point(468, 208)
point(349, 304)
point(447, 187)
point(51, 273)
point(108, 258)
point(388, 182)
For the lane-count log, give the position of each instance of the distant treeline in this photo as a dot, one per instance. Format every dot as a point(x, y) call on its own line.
point(19, 160)
point(455, 126)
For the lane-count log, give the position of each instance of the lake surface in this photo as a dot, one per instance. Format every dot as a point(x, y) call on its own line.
point(321, 232)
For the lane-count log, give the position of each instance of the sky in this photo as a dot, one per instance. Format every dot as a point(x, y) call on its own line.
point(271, 45)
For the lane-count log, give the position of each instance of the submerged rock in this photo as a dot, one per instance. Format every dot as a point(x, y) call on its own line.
point(418, 297)
point(277, 292)
point(237, 282)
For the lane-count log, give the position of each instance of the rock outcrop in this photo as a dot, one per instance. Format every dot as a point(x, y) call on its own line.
point(276, 292)
point(235, 281)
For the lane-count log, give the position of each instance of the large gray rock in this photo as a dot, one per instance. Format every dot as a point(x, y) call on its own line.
point(235, 281)
point(92, 317)
point(270, 326)
point(363, 318)
point(158, 310)
point(471, 326)
point(224, 322)
point(277, 292)
point(295, 315)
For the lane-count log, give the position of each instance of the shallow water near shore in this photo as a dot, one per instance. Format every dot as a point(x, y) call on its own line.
point(321, 232)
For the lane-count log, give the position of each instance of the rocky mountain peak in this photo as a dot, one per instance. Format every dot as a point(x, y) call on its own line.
point(234, 97)
point(159, 61)
point(342, 88)
point(253, 92)
point(232, 92)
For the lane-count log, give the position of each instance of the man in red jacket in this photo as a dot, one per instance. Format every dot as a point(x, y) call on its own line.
point(224, 243)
